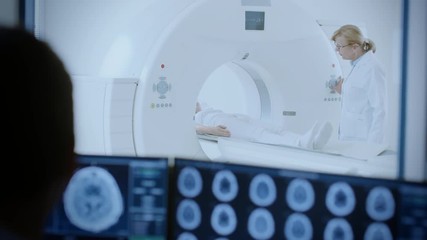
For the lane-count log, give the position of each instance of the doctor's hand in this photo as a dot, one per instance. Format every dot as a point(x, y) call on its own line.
point(338, 86)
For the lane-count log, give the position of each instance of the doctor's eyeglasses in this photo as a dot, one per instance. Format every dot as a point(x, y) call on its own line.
point(338, 47)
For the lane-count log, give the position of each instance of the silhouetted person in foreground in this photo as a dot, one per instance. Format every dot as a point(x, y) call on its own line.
point(38, 137)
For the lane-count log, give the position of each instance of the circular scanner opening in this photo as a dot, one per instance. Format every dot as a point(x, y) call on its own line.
point(230, 89)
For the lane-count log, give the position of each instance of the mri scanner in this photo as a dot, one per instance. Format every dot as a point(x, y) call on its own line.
point(138, 69)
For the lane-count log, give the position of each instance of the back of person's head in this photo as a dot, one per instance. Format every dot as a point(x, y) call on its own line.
point(353, 34)
point(38, 142)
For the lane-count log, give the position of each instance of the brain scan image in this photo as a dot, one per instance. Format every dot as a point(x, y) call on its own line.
point(92, 200)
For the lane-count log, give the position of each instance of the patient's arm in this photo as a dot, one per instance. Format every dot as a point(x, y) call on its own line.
point(219, 130)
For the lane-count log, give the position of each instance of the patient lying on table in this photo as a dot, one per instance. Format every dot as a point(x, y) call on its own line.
point(215, 122)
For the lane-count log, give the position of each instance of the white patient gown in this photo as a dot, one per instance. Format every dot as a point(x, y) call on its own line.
point(247, 128)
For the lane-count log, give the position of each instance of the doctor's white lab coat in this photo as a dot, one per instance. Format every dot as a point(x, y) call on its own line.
point(363, 106)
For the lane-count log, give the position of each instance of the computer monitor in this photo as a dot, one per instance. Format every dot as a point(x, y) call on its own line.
point(215, 200)
point(111, 197)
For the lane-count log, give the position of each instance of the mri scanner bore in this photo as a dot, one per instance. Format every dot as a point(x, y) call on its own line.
point(148, 108)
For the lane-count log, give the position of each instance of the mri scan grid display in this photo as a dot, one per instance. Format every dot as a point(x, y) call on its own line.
point(140, 198)
point(113, 198)
point(230, 201)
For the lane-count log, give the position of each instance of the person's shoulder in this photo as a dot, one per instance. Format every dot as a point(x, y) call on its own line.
point(366, 57)
point(370, 61)
point(370, 58)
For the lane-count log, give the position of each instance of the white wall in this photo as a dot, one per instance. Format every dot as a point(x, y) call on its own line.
point(9, 14)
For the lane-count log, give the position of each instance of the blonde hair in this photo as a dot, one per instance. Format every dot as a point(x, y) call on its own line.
point(353, 34)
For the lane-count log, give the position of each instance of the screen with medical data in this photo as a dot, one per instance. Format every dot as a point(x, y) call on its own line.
point(113, 198)
point(214, 200)
point(254, 20)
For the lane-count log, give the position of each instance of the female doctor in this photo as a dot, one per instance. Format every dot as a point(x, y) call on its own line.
point(363, 106)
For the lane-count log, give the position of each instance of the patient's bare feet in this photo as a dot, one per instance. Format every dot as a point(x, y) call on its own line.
point(306, 140)
point(317, 136)
point(323, 135)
